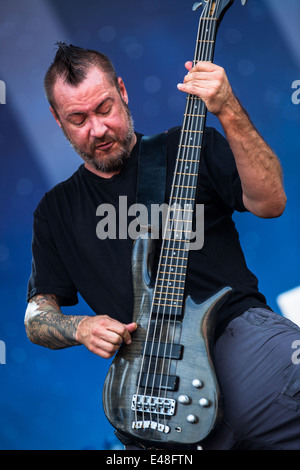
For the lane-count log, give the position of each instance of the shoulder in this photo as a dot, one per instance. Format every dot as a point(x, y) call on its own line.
point(56, 195)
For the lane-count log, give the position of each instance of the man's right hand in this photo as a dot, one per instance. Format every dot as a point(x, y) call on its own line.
point(103, 335)
point(47, 326)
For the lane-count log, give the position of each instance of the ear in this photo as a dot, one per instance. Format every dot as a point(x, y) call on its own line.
point(55, 115)
point(123, 90)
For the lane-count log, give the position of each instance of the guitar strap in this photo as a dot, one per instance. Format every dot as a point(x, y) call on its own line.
point(152, 170)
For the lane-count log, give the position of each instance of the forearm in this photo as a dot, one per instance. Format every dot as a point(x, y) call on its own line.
point(258, 166)
point(47, 326)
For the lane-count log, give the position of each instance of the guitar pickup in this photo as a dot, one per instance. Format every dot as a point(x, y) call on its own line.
point(160, 349)
point(159, 381)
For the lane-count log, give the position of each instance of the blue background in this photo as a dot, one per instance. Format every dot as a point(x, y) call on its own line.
point(52, 399)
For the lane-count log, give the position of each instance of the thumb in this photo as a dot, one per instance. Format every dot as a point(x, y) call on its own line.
point(131, 327)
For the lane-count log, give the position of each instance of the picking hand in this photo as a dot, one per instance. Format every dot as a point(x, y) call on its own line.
point(103, 335)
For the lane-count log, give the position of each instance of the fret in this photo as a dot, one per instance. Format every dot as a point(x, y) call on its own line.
point(177, 257)
point(175, 231)
point(192, 125)
point(180, 186)
point(188, 210)
point(173, 280)
point(168, 302)
point(194, 115)
point(192, 131)
point(168, 287)
point(206, 40)
point(185, 174)
point(177, 249)
point(171, 265)
point(173, 273)
point(169, 297)
point(174, 240)
point(167, 305)
point(209, 18)
point(185, 221)
point(193, 97)
point(191, 146)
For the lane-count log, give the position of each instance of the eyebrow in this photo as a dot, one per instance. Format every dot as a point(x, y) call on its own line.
point(97, 107)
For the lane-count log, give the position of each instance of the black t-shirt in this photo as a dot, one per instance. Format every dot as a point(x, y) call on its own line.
point(69, 258)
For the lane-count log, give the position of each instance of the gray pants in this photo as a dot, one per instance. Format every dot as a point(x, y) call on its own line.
point(259, 376)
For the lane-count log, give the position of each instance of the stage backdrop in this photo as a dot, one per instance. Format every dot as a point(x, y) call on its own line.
point(52, 399)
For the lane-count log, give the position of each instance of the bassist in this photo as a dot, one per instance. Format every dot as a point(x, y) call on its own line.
point(253, 344)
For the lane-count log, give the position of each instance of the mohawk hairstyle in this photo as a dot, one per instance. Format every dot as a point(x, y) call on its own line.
point(72, 64)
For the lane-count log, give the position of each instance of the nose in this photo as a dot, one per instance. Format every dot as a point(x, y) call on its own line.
point(97, 127)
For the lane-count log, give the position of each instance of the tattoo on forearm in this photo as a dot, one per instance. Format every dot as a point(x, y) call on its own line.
point(47, 326)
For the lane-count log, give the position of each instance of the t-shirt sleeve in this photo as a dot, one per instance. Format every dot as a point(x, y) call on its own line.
point(48, 273)
point(220, 168)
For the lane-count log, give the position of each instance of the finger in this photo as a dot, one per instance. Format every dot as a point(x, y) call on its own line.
point(201, 77)
point(188, 65)
point(131, 327)
point(103, 348)
point(204, 66)
point(122, 331)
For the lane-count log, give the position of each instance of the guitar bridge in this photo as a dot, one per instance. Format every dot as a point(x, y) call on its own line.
point(150, 425)
point(156, 405)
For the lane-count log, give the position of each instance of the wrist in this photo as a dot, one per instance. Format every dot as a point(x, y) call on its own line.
point(80, 324)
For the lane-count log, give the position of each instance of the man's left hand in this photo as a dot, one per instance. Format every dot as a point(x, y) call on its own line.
point(209, 82)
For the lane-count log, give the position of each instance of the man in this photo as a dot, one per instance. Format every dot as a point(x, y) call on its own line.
point(90, 103)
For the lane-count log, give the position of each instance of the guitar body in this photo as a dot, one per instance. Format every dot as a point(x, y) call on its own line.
point(191, 393)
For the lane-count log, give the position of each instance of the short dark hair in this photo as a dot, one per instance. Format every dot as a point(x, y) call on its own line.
point(72, 63)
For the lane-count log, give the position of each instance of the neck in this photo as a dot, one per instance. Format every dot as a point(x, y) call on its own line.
point(105, 175)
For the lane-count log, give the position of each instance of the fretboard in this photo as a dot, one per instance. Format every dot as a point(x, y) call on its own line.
point(172, 268)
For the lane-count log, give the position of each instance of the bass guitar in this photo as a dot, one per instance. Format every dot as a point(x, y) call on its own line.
point(161, 391)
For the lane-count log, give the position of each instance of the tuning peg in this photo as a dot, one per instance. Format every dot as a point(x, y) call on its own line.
point(197, 5)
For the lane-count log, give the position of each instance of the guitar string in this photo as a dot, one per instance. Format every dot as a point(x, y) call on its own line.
point(178, 268)
point(164, 273)
point(181, 268)
point(201, 53)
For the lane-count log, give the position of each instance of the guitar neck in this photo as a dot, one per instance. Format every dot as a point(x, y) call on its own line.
point(171, 275)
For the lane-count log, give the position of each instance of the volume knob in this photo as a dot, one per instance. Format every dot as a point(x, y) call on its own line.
point(197, 383)
point(192, 419)
point(184, 399)
point(204, 402)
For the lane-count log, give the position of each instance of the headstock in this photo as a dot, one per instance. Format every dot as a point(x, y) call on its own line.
point(215, 8)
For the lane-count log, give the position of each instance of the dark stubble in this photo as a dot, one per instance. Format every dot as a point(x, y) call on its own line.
point(113, 162)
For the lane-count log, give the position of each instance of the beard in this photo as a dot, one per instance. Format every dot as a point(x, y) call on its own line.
point(113, 162)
